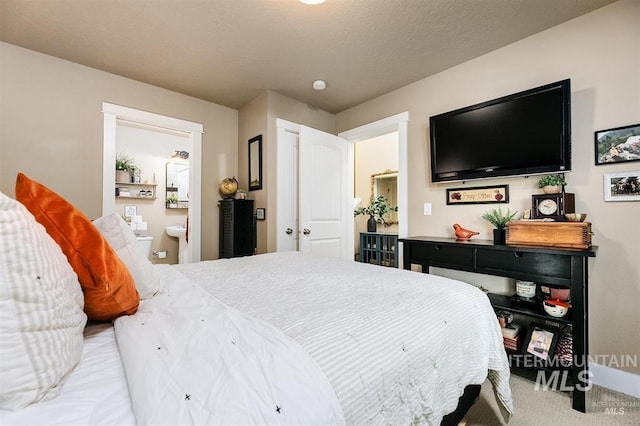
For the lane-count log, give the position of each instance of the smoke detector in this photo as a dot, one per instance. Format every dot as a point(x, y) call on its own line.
point(319, 85)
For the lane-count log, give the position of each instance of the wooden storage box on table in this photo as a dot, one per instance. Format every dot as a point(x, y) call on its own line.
point(549, 234)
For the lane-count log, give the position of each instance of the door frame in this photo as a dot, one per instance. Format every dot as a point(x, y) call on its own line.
point(395, 123)
point(113, 113)
point(283, 175)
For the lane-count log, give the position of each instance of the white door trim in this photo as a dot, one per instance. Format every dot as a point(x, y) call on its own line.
point(288, 125)
point(112, 113)
point(395, 123)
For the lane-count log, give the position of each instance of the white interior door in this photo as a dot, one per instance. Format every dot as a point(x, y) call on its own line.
point(325, 197)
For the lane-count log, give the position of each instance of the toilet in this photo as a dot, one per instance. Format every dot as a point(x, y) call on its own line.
point(144, 245)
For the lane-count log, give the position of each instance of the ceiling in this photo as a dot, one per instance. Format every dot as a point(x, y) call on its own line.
point(229, 51)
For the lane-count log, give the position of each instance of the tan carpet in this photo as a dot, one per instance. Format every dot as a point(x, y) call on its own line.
point(537, 407)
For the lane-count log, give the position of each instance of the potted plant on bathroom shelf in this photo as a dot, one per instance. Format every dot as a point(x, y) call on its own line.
point(124, 167)
point(172, 201)
point(499, 221)
point(377, 211)
point(552, 184)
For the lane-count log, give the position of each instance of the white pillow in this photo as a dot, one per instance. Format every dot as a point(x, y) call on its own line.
point(41, 317)
point(122, 239)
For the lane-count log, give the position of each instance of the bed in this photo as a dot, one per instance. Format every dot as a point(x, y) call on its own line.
point(279, 338)
point(397, 346)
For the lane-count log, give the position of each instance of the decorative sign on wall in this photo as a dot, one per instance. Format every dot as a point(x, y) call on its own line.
point(478, 195)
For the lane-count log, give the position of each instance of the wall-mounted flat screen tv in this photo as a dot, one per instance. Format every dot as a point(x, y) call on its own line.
point(524, 133)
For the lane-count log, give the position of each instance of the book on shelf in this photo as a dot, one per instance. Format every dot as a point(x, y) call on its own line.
point(512, 343)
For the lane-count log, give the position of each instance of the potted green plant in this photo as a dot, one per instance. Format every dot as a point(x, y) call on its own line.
point(377, 212)
point(499, 221)
point(124, 167)
point(172, 201)
point(552, 184)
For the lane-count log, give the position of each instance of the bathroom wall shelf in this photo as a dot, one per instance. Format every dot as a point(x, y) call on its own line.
point(136, 197)
point(134, 190)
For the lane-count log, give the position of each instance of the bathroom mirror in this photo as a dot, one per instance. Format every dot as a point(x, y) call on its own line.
point(386, 184)
point(177, 185)
point(255, 163)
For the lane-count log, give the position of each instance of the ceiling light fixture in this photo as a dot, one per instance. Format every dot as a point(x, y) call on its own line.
point(319, 84)
point(312, 2)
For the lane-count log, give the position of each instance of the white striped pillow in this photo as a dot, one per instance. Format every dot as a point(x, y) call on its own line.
point(123, 241)
point(41, 316)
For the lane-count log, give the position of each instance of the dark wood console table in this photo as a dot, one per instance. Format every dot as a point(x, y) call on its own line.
point(544, 265)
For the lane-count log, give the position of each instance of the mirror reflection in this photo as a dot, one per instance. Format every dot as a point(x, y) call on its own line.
point(177, 185)
point(255, 163)
point(386, 184)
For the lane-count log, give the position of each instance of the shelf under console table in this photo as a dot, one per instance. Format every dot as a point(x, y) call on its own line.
point(548, 265)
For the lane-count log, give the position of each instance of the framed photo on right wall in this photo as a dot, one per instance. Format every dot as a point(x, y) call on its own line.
point(617, 145)
point(622, 186)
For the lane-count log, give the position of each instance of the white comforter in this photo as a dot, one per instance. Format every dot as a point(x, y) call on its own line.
point(189, 359)
point(398, 347)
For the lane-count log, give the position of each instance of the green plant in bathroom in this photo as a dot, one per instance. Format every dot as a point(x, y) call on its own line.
point(124, 168)
point(171, 200)
point(124, 162)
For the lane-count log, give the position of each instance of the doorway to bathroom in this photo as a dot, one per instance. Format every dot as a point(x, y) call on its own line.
point(156, 145)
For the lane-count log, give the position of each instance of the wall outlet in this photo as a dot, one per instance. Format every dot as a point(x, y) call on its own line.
point(427, 209)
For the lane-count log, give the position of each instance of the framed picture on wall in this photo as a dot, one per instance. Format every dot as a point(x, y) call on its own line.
point(130, 211)
point(478, 195)
point(617, 145)
point(622, 186)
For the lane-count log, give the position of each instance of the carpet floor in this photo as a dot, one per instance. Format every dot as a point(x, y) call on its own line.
point(547, 407)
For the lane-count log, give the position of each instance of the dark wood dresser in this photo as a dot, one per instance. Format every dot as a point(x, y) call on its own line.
point(237, 228)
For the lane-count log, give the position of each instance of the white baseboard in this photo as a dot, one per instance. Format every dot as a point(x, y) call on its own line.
point(614, 379)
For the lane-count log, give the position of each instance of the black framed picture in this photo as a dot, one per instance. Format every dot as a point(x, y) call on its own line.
point(617, 145)
point(541, 341)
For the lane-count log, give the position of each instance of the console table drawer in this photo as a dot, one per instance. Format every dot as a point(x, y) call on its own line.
point(443, 254)
point(540, 264)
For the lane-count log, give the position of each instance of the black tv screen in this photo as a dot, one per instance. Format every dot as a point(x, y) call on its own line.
point(520, 134)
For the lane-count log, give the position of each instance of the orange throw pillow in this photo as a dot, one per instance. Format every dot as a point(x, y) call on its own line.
point(108, 287)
